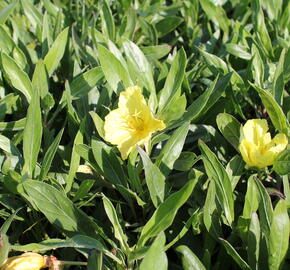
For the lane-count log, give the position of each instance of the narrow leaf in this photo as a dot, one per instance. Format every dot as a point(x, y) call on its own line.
point(216, 171)
point(56, 52)
point(155, 180)
point(18, 78)
point(32, 135)
point(189, 260)
point(155, 255)
point(279, 236)
point(165, 213)
point(174, 79)
point(118, 231)
point(49, 155)
point(171, 151)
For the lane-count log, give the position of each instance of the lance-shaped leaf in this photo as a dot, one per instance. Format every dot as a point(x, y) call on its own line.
point(32, 135)
point(172, 149)
point(155, 180)
point(56, 52)
point(59, 210)
point(279, 236)
point(254, 235)
point(18, 78)
point(275, 112)
point(115, 73)
point(165, 213)
point(216, 171)
point(174, 79)
point(229, 126)
point(112, 215)
point(189, 260)
point(155, 255)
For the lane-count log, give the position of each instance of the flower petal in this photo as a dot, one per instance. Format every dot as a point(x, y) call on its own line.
point(115, 127)
point(132, 102)
point(255, 129)
point(278, 144)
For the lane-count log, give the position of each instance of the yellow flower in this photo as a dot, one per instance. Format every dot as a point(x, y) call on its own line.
point(26, 261)
point(132, 123)
point(257, 147)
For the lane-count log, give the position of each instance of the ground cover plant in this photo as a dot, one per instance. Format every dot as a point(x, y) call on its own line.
point(144, 134)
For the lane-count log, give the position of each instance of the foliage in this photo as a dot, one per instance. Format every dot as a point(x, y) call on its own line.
point(187, 201)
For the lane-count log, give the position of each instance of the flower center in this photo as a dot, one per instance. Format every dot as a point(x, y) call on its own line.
point(134, 122)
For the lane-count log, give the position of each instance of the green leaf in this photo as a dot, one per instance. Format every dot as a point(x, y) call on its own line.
point(39, 80)
point(5, 12)
point(49, 155)
point(50, 7)
point(260, 27)
point(174, 79)
point(279, 236)
point(234, 254)
point(167, 25)
point(75, 158)
point(8, 146)
point(95, 260)
point(118, 231)
point(13, 125)
point(190, 223)
point(141, 67)
point(18, 78)
point(81, 85)
point(83, 189)
point(238, 50)
point(77, 241)
point(171, 151)
point(56, 52)
point(156, 52)
point(99, 123)
point(235, 169)
point(257, 66)
point(216, 14)
point(254, 235)
point(32, 135)
point(275, 112)
point(108, 25)
point(5, 226)
point(229, 126)
point(206, 100)
point(265, 208)
point(108, 162)
point(165, 213)
point(185, 161)
point(281, 163)
point(59, 210)
point(174, 109)
point(252, 198)
point(32, 13)
point(211, 212)
point(155, 180)
point(4, 247)
point(278, 82)
point(115, 73)
point(155, 256)
point(216, 171)
point(189, 260)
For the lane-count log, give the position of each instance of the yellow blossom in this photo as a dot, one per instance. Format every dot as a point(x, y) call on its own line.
point(26, 261)
point(257, 147)
point(132, 123)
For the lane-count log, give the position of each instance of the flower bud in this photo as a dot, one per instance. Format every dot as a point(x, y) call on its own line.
point(26, 261)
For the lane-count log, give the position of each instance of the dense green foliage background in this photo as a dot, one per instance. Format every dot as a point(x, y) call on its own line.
point(189, 203)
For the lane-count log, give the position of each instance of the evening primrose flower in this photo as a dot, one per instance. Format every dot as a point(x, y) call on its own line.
point(257, 147)
point(132, 123)
point(26, 261)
